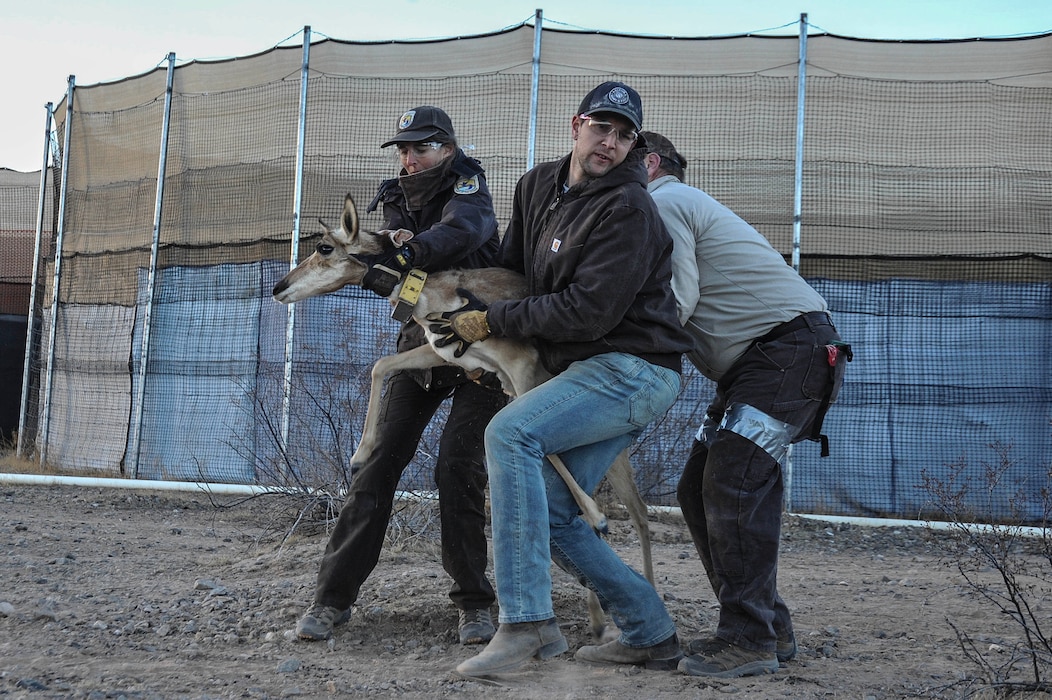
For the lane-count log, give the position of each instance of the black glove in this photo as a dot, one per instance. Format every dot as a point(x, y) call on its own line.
point(445, 325)
point(386, 270)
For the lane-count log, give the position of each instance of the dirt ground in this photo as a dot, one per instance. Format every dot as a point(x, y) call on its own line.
point(114, 593)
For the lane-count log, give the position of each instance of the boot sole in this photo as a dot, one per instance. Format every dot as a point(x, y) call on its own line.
point(670, 664)
point(307, 637)
point(753, 668)
point(663, 664)
point(478, 639)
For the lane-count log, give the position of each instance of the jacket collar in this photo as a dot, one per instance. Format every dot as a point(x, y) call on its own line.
point(630, 170)
point(659, 181)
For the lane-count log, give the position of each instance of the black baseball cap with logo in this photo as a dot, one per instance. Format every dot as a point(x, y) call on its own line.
point(425, 123)
point(615, 97)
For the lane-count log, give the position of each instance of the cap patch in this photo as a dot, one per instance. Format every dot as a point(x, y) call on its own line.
point(467, 185)
point(619, 96)
point(407, 119)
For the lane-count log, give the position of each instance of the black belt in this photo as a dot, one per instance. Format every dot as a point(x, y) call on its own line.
point(813, 318)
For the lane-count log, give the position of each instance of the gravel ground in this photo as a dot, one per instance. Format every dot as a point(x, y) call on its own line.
point(114, 593)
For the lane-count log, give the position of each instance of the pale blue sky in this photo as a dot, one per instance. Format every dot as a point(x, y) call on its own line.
point(43, 43)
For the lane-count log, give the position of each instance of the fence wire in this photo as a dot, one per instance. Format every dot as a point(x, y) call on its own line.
point(926, 223)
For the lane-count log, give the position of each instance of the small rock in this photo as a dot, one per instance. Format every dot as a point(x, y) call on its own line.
point(289, 666)
point(46, 613)
point(30, 684)
point(6, 609)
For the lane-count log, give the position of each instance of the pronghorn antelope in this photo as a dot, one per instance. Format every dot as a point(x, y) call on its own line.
point(333, 265)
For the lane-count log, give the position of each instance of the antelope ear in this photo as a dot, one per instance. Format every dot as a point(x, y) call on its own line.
point(400, 237)
point(335, 234)
point(340, 237)
point(349, 220)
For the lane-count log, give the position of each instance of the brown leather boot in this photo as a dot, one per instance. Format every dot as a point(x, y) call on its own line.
point(662, 656)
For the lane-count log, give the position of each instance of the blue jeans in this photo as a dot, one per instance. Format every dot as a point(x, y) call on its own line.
point(587, 415)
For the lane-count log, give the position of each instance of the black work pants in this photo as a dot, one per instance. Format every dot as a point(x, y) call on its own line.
point(460, 473)
point(731, 490)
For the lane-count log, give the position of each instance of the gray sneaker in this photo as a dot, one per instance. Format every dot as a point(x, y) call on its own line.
point(706, 646)
point(476, 626)
point(317, 623)
point(731, 661)
point(709, 646)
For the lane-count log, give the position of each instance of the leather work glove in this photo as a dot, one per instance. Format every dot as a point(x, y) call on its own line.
point(386, 270)
point(462, 326)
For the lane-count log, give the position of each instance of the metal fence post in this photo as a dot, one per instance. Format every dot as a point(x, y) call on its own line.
point(23, 408)
point(290, 324)
point(798, 174)
point(535, 85)
point(57, 275)
point(798, 184)
point(151, 276)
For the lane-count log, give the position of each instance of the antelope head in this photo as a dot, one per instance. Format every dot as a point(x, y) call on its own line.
point(333, 264)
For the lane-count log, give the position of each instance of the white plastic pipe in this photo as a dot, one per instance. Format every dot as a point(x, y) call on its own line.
point(144, 484)
point(930, 524)
point(255, 489)
point(187, 486)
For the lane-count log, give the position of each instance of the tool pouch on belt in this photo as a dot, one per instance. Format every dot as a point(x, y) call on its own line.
point(837, 355)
